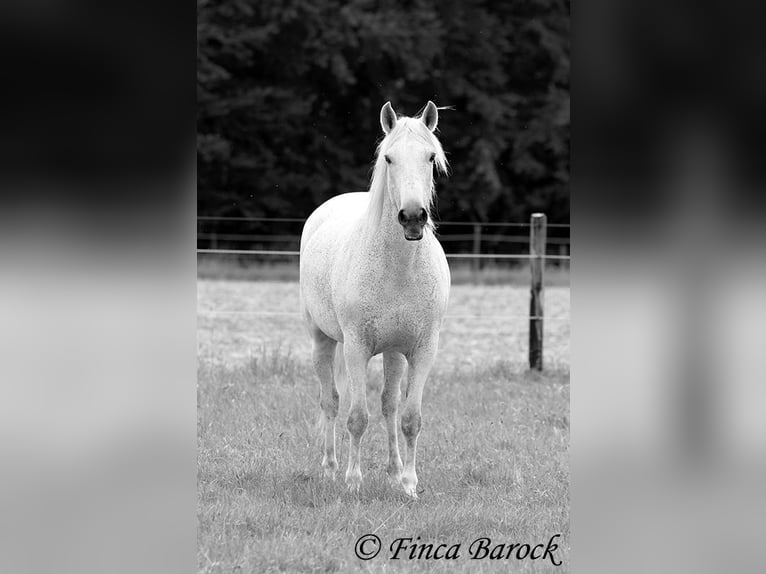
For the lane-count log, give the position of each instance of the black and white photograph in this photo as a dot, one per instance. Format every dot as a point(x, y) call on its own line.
point(383, 286)
point(324, 286)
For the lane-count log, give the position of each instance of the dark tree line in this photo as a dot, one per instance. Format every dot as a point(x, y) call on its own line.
point(289, 93)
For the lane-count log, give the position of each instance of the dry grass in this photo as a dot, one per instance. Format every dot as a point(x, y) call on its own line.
point(492, 461)
point(245, 268)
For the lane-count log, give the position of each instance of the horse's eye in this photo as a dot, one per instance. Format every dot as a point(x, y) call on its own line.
point(388, 159)
point(431, 159)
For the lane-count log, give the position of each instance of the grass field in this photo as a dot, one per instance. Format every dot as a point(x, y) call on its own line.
point(492, 457)
point(462, 272)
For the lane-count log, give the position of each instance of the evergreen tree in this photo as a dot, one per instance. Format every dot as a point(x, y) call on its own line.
point(289, 93)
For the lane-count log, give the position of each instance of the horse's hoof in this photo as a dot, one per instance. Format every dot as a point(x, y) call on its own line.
point(410, 487)
point(330, 467)
point(354, 487)
point(395, 481)
point(354, 483)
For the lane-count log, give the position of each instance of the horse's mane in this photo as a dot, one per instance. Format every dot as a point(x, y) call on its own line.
point(405, 127)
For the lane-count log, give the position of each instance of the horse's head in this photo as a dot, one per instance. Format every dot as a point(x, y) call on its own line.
point(410, 151)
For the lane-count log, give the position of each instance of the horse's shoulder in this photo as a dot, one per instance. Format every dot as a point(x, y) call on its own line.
point(334, 215)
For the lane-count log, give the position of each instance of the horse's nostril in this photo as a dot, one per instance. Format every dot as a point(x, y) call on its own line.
point(423, 215)
point(402, 217)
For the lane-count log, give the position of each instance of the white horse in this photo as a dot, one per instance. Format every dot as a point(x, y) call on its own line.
point(374, 278)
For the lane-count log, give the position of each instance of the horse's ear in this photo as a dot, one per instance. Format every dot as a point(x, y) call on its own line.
point(387, 117)
point(430, 116)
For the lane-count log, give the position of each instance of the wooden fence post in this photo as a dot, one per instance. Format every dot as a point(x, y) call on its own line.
point(537, 233)
point(476, 262)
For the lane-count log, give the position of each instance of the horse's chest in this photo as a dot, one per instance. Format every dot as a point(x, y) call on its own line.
point(393, 314)
point(395, 327)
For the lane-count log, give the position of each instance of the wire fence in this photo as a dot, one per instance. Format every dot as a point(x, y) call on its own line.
point(496, 240)
point(452, 237)
point(267, 252)
point(302, 220)
point(295, 253)
point(537, 255)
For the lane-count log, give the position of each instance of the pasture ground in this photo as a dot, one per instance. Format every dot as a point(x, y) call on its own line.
point(492, 458)
point(491, 272)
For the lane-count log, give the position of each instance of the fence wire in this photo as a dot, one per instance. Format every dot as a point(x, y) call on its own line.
point(296, 314)
point(290, 253)
point(303, 219)
point(449, 255)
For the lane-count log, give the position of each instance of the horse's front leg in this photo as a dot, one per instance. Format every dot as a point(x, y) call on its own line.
point(357, 356)
point(420, 360)
point(393, 368)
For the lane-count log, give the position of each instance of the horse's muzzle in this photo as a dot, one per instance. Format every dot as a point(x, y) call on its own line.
point(413, 221)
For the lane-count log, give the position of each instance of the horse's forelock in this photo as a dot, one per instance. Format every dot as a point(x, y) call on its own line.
point(411, 126)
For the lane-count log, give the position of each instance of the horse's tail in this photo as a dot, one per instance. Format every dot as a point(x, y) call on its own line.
point(341, 382)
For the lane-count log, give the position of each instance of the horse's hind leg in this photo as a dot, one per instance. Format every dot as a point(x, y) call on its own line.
point(323, 355)
point(393, 368)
